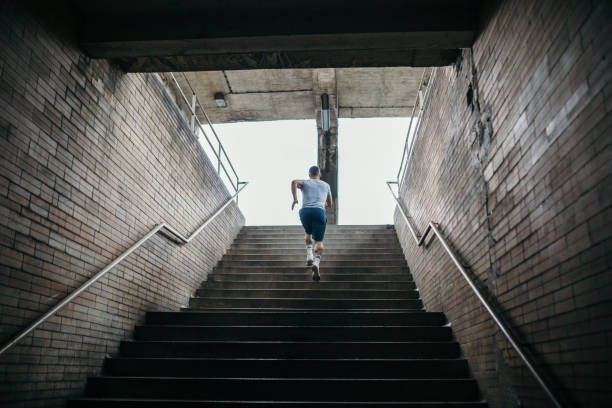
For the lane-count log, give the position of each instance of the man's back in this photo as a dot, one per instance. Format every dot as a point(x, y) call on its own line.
point(314, 193)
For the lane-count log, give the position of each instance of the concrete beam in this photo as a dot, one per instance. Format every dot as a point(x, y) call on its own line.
point(289, 60)
point(271, 44)
point(190, 35)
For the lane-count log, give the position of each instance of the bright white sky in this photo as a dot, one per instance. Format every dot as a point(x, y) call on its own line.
point(271, 154)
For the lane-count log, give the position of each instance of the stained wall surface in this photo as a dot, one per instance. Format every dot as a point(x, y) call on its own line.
point(289, 94)
point(514, 161)
point(92, 159)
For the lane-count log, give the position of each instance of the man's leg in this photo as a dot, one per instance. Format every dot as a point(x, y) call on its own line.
point(318, 232)
point(309, 255)
point(318, 251)
point(306, 221)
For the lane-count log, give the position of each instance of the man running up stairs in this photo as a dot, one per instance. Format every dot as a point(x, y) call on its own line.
point(316, 196)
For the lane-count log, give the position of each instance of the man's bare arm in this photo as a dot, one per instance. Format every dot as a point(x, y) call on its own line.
point(329, 202)
point(295, 184)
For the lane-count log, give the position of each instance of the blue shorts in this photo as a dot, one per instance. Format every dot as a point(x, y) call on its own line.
point(314, 221)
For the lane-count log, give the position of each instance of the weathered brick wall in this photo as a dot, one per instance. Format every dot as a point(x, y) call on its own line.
point(530, 212)
point(92, 159)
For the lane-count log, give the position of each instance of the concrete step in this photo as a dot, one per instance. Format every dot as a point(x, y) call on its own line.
point(295, 349)
point(302, 262)
point(299, 246)
point(336, 240)
point(364, 236)
point(301, 257)
point(311, 293)
point(289, 368)
point(305, 303)
point(199, 403)
point(341, 268)
point(300, 389)
point(305, 275)
point(284, 318)
point(293, 309)
point(308, 284)
point(301, 251)
point(329, 234)
point(149, 403)
point(298, 227)
point(292, 333)
point(328, 230)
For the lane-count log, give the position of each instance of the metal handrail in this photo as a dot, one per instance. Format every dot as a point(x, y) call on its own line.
point(430, 85)
point(210, 125)
point(419, 240)
point(201, 126)
point(414, 105)
point(163, 228)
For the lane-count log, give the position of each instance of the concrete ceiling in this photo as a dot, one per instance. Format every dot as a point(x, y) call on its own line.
point(281, 94)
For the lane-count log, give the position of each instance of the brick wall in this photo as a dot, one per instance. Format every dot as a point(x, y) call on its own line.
point(92, 159)
point(520, 180)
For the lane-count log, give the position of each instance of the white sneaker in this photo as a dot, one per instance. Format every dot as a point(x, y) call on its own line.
point(309, 259)
point(315, 270)
point(315, 273)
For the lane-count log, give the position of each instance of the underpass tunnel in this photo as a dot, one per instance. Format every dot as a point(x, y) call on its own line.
point(123, 245)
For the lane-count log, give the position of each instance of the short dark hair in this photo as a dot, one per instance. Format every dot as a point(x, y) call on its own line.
point(313, 171)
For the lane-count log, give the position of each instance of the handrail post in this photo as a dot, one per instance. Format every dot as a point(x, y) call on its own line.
point(217, 151)
point(414, 105)
point(219, 159)
point(238, 184)
point(194, 100)
point(432, 226)
point(401, 172)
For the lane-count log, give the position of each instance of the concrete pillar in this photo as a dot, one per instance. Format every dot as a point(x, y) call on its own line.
point(324, 82)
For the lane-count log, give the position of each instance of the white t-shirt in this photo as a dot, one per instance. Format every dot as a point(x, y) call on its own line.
point(314, 193)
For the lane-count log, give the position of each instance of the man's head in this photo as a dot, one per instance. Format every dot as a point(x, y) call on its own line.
point(314, 172)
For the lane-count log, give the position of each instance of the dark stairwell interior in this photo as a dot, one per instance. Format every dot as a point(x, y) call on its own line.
point(510, 160)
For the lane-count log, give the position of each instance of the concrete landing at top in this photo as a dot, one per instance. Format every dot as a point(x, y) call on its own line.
point(260, 95)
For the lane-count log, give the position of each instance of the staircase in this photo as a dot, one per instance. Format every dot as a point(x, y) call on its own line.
point(261, 333)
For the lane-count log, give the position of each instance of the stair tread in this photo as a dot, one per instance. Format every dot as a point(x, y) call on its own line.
point(339, 389)
point(300, 326)
point(288, 359)
point(312, 284)
point(360, 252)
point(403, 342)
point(295, 298)
point(290, 309)
point(319, 379)
point(329, 248)
point(304, 266)
point(307, 311)
point(320, 282)
point(301, 313)
point(318, 289)
point(323, 403)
